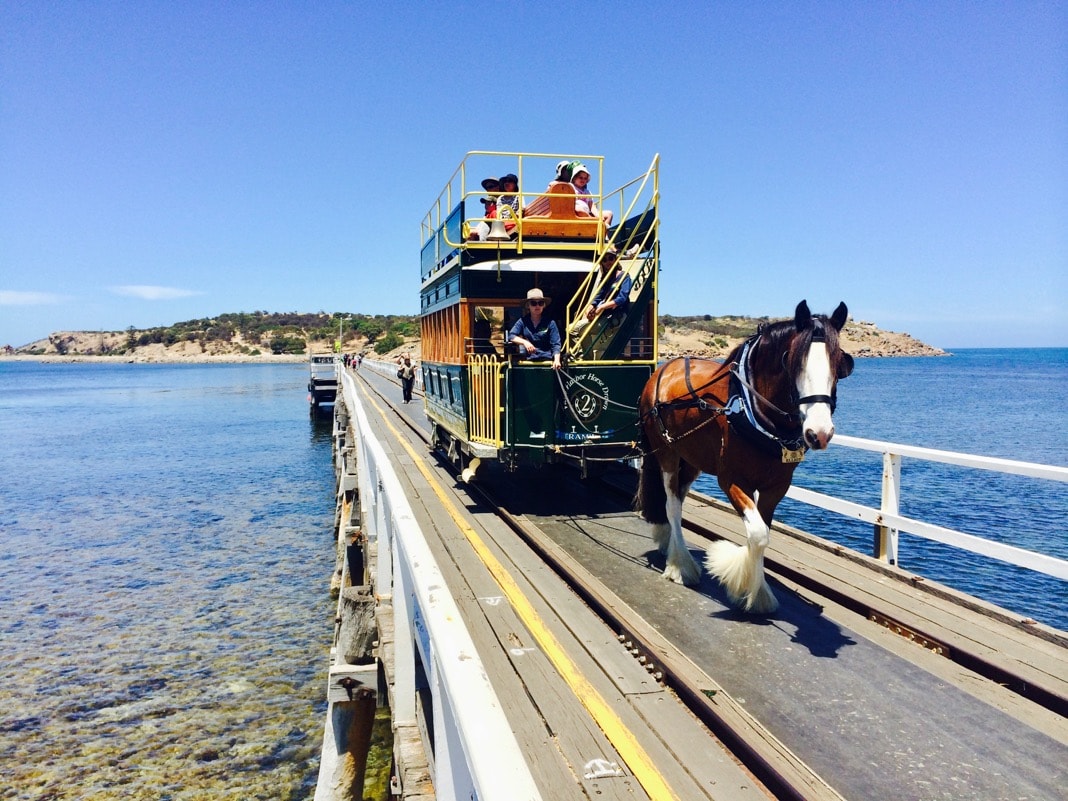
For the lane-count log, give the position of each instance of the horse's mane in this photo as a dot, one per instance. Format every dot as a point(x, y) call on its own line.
point(779, 336)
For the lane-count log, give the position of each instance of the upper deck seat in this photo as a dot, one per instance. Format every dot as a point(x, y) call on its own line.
point(554, 215)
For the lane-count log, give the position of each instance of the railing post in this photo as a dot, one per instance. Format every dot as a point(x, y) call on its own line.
point(885, 544)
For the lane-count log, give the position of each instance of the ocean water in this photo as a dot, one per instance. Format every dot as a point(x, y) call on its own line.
point(165, 617)
point(1008, 403)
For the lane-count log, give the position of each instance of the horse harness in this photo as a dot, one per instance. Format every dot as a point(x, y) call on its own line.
point(740, 407)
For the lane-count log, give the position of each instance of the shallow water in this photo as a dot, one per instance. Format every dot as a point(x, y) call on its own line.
point(164, 601)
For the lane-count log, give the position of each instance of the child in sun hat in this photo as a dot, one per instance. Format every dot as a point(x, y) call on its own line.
point(580, 178)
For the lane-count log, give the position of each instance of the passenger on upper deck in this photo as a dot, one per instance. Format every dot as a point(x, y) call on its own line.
point(540, 206)
point(509, 186)
point(580, 177)
point(482, 229)
point(536, 334)
point(563, 172)
point(507, 202)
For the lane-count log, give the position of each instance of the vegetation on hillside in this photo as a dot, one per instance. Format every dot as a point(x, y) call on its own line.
point(257, 332)
point(719, 330)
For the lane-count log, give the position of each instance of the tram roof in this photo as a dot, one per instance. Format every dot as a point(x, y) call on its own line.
point(534, 264)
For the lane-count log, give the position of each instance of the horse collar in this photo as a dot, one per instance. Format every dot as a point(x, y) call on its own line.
point(743, 418)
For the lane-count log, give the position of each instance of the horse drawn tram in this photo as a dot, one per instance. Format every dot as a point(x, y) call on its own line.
point(534, 239)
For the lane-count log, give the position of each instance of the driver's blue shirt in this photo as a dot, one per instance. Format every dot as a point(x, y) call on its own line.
point(545, 338)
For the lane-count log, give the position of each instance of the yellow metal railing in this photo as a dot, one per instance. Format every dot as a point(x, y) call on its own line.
point(639, 201)
point(443, 229)
point(588, 339)
point(485, 410)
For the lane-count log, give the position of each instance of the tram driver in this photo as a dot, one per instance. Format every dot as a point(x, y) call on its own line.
point(535, 333)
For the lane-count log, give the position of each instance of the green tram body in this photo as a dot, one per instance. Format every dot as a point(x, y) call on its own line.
point(484, 400)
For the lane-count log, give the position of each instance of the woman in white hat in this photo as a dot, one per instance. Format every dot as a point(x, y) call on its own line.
point(537, 335)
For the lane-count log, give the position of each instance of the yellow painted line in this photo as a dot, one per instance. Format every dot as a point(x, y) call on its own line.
point(621, 737)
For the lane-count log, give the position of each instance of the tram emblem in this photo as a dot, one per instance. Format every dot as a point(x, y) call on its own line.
point(587, 397)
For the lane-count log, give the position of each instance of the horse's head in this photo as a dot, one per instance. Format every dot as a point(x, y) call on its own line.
point(815, 362)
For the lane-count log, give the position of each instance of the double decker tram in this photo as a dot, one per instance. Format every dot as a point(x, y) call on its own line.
point(484, 247)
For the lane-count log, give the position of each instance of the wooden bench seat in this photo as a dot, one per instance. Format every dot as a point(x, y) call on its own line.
point(554, 215)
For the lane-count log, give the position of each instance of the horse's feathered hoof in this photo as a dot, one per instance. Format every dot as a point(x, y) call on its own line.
point(741, 572)
point(687, 573)
point(762, 602)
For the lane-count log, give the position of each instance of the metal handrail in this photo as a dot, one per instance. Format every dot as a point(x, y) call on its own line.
point(888, 521)
point(478, 755)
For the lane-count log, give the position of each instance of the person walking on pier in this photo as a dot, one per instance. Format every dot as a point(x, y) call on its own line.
point(406, 373)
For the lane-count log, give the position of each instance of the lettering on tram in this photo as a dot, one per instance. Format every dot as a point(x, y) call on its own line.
point(538, 308)
point(587, 395)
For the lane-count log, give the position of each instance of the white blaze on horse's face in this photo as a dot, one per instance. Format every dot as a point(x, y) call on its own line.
point(816, 379)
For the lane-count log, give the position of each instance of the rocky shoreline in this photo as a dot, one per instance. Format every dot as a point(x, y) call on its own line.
point(862, 339)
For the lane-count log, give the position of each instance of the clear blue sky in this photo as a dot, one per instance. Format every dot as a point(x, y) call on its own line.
point(167, 161)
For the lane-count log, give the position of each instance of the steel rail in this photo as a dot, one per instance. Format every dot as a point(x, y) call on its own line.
point(967, 658)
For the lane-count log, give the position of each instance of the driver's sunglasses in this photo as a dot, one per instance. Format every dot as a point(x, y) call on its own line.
point(537, 303)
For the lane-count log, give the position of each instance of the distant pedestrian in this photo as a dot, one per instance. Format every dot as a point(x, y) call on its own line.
point(406, 373)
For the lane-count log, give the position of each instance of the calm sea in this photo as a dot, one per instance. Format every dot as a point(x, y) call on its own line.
point(165, 620)
point(166, 537)
point(1008, 403)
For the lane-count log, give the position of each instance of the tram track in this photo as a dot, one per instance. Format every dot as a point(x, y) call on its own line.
point(775, 766)
point(781, 774)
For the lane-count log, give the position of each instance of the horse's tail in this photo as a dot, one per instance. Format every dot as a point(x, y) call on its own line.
point(651, 498)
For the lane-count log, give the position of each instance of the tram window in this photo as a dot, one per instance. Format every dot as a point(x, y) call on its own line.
point(487, 330)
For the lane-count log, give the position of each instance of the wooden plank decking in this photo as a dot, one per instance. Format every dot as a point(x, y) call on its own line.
point(843, 694)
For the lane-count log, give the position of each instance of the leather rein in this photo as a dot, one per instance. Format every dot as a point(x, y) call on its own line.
point(746, 395)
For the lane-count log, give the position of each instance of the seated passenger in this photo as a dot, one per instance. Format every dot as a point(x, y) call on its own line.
point(580, 178)
point(614, 295)
point(539, 207)
point(509, 187)
point(508, 202)
point(537, 335)
point(481, 230)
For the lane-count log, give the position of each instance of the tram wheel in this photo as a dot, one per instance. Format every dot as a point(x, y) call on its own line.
point(439, 440)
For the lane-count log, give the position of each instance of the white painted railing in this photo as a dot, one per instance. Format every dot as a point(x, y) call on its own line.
point(475, 752)
point(889, 522)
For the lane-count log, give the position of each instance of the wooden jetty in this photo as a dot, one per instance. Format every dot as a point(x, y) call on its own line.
point(528, 648)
